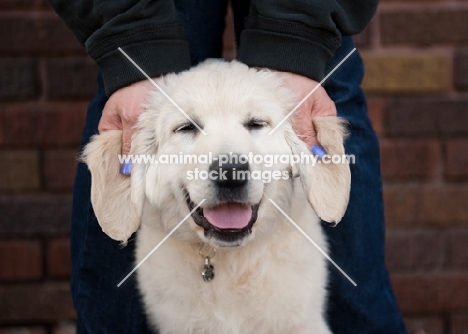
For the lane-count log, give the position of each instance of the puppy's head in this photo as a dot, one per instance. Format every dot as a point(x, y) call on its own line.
point(220, 165)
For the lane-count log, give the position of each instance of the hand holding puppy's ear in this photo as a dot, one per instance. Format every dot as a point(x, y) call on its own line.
point(121, 112)
point(318, 104)
point(315, 123)
point(118, 206)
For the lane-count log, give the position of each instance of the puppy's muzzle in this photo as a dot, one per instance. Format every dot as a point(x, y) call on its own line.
point(230, 219)
point(231, 175)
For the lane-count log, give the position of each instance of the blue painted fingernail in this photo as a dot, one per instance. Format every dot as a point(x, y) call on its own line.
point(126, 168)
point(319, 151)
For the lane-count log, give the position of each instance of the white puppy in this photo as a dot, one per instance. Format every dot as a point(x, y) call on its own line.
point(268, 278)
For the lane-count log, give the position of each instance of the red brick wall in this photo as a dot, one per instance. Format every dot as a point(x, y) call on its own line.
point(46, 80)
point(416, 56)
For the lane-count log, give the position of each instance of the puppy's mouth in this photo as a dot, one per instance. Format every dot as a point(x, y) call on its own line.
point(229, 223)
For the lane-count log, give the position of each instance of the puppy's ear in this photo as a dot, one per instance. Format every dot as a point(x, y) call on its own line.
point(115, 211)
point(326, 184)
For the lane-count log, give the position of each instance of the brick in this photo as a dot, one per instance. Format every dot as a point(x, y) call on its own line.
point(65, 328)
point(456, 159)
point(20, 170)
point(35, 215)
point(18, 79)
point(23, 330)
point(460, 70)
point(415, 72)
point(59, 167)
point(70, 78)
point(420, 26)
point(401, 203)
point(459, 324)
point(20, 260)
point(445, 205)
point(46, 302)
point(426, 206)
point(457, 249)
point(42, 34)
point(375, 109)
point(410, 159)
point(41, 125)
point(58, 258)
point(431, 293)
point(426, 325)
point(414, 251)
point(426, 116)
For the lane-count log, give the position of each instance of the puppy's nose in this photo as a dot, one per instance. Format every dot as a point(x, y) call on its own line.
point(233, 174)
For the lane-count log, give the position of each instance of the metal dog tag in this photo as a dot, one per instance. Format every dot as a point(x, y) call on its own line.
point(208, 271)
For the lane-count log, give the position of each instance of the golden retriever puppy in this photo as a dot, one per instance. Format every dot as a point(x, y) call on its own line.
point(236, 264)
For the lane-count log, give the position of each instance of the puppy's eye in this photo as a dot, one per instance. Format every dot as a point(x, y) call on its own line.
point(255, 124)
point(187, 127)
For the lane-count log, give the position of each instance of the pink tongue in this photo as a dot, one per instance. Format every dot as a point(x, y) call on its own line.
point(229, 215)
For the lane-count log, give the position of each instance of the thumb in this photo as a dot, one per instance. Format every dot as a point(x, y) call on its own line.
point(314, 145)
point(310, 136)
point(127, 133)
point(312, 142)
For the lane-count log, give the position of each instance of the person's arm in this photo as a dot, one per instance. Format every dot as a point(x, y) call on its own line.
point(148, 31)
point(299, 36)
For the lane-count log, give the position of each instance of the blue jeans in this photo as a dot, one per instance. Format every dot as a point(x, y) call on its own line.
point(356, 244)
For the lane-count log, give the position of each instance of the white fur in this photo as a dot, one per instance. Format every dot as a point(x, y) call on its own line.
point(275, 281)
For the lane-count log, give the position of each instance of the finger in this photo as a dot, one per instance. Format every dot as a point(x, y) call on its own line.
point(314, 145)
point(326, 108)
point(126, 166)
point(303, 125)
point(127, 134)
point(312, 140)
point(322, 105)
point(110, 119)
point(308, 136)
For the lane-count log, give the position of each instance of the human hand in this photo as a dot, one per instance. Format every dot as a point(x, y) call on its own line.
point(318, 104)
point(121, 112)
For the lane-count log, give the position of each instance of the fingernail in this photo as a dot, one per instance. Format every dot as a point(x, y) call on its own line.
point(126, 168)
point(319, 151)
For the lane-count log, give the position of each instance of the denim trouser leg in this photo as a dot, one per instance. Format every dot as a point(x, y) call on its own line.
point(99, 263)
point(357, 243)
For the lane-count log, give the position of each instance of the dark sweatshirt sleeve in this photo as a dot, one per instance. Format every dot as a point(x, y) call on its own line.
point(299, 36)
point(148, 31)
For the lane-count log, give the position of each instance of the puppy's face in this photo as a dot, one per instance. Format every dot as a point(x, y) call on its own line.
point(221, 163)
point(223, 180)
